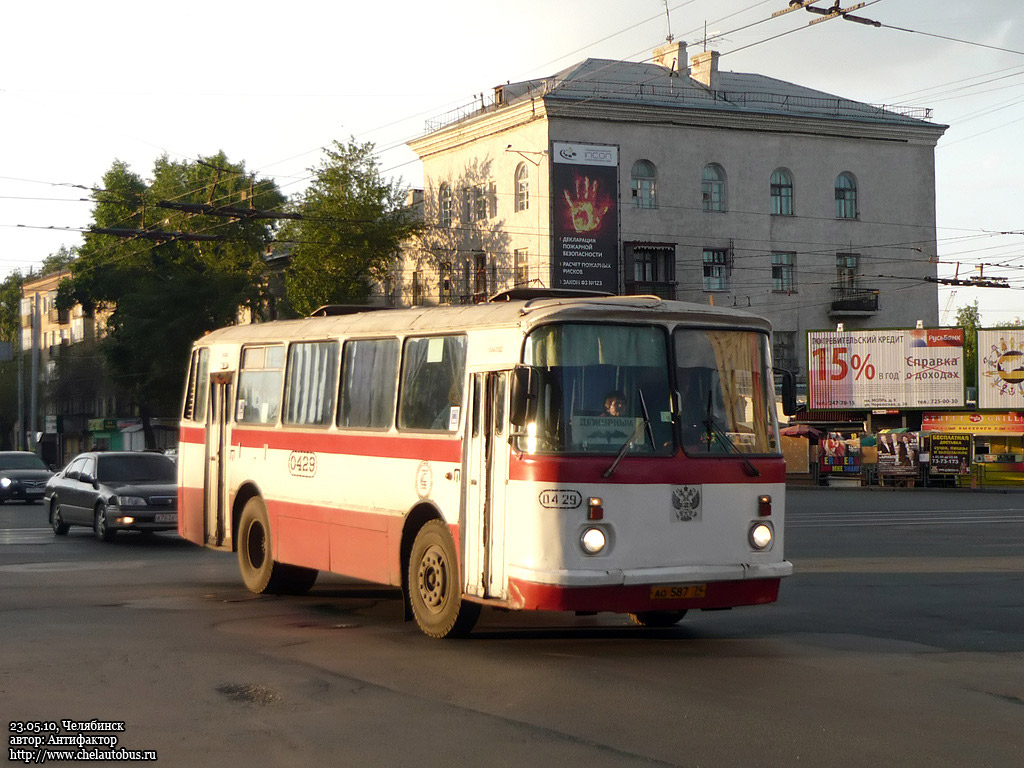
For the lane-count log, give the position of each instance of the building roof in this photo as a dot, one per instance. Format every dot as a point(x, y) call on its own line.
point(654, 85)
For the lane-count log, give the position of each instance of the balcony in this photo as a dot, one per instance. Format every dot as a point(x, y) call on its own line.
point(850, 301)
point(664, 290)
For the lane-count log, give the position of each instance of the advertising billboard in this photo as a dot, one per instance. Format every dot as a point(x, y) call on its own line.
point(910, 368)
point(951, 454)
point(1001, 369)
point(585, 194)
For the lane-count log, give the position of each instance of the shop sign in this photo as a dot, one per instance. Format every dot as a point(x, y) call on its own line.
point(1007, 423)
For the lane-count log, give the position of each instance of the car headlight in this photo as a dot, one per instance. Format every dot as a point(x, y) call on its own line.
point(761, 535)
point(6, 482)
point(593, 541)
point(130, 501)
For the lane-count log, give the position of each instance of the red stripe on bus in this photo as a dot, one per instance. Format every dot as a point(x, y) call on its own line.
point(674, 470)
point(383, 445)
point(635, 598)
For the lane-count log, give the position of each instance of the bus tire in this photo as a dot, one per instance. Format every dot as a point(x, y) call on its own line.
point(657, 618)
point(255, 557)
point(435, 589)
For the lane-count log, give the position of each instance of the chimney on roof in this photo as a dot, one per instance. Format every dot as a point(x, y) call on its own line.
point(704, 69)
point(673, 56)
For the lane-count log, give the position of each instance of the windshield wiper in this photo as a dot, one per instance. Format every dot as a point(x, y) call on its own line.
point(644, 423)
point(723, 438)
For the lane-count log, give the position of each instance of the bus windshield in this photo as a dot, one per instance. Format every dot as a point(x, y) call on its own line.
point(727, 395)
point(602, 387)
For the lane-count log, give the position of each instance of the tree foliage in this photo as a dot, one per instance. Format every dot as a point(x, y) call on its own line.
point(164, 285)
point(353, 224)
point(969, 318)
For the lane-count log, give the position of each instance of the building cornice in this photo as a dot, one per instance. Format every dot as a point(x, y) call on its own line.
point(505, 118)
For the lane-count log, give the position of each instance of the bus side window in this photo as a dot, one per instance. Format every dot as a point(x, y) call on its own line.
point(369, 376)
point(259, 385)
point(433, 377)
point(309, 398)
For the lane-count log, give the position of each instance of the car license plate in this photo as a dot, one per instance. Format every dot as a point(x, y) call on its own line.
point(678, 591)
point(165, 517)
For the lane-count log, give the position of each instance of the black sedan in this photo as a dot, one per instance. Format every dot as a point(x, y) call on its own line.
point(114, 491)
point(23, 477)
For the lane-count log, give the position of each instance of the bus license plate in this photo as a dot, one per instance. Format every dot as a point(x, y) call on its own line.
point(678, 591)
point(165, 517)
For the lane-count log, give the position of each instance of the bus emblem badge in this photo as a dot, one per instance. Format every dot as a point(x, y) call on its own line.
point(424, 480)
point(686, 502)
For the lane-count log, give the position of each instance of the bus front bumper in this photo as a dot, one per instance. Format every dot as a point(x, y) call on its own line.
point(647, 589)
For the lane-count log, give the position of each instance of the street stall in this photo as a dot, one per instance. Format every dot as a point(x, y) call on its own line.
point(996, 445)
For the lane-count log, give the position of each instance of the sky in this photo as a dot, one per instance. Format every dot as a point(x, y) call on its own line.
point(272, 84)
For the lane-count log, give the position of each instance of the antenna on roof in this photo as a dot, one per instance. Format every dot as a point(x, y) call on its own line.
point(668, 23)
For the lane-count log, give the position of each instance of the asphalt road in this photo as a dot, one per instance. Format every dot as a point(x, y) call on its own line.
point(899, 641)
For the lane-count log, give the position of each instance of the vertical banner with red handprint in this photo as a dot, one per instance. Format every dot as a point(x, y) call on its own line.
point(585, 193)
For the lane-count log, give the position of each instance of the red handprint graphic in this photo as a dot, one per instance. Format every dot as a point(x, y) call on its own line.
point(586, 210)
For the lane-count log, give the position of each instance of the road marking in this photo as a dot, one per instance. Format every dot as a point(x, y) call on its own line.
point(73, 565)
point(26, 536)
point(998, 564)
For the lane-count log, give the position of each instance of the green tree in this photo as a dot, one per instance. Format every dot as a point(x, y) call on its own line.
point(10, 329)
point(352, 228)
point(169, 269)
point(969, 318)
point(62, 259)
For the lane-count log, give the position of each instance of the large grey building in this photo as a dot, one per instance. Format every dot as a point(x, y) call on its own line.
point(675, 178)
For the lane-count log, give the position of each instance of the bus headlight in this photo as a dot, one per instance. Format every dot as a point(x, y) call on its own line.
point(761, 535)
point(593, 541)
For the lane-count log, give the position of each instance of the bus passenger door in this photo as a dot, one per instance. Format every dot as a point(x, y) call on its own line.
point(486, 482)
point(216, 517)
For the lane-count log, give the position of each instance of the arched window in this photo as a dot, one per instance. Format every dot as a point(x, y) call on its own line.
point(444, 205)
point(522, 187)
point(846, 196)
point(782, 193)
point(645, 189)
point(713, 187)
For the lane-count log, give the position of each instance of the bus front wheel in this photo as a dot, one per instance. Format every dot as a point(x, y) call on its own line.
point(256, 558)
point(435, 589)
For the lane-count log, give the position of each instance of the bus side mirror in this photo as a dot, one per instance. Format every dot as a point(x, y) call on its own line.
point(524, 395)
point(788, 390)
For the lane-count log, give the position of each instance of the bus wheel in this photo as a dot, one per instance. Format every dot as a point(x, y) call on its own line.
point(657, 618)
point(435, 590)
point(255, 560)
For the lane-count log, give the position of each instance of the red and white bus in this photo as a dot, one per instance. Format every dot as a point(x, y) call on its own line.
point(559, 453)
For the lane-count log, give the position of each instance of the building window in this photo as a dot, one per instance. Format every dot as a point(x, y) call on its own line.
point(713, 187)
point(444, 205)
point(522, 264)
point(846, 196)
point(846, 270)
point(650, 269)
point(480, 277)
point(522, 187)
point(445, 284)
point(477, 203)
point(644, 185)
point(784, 350)
point(783, 272)
point(417, 288)
point(716, 269)
point(782, 193)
